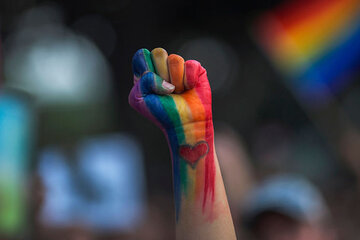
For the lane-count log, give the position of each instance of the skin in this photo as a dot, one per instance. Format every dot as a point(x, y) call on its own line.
point(176, 96)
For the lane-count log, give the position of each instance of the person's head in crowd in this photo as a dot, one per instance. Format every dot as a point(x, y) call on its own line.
point(287, 207)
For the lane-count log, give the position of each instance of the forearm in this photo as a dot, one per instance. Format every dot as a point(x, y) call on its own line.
point(202, 210)
point(176, 96)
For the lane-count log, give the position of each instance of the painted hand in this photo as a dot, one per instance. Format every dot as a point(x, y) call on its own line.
point(176, 96)
point(170, 92)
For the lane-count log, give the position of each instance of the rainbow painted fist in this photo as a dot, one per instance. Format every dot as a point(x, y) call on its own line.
point(176, 96)
point(169, 91)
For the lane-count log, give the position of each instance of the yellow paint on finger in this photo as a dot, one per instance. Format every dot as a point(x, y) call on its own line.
point(159, 57)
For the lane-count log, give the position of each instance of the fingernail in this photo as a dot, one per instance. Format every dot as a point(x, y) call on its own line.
point(168, 85)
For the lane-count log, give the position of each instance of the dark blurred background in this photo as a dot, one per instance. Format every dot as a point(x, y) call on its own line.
point(67, 71)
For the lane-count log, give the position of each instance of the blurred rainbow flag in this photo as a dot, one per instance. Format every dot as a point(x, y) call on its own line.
point(314, 43)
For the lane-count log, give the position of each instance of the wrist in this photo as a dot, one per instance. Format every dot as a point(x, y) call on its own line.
point(190, 133)
point(192, 150)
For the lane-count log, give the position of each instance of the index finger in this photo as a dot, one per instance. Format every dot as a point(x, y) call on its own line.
point(142, 63)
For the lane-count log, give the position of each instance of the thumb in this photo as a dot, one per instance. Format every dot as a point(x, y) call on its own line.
point(153, 83)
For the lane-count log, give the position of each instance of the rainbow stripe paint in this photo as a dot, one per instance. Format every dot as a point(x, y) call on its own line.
point(186, 120)
point(315, 43)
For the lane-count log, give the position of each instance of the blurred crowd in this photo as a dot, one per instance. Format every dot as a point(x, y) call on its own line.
point(77, 163)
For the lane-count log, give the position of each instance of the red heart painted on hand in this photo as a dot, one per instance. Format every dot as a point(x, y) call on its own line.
point(192, 154)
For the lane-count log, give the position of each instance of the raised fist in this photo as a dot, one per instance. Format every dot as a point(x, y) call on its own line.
point(176, 95)
point(169, 91)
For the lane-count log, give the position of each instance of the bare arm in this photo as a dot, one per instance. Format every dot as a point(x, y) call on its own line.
point(176, 96)
point(201, 216)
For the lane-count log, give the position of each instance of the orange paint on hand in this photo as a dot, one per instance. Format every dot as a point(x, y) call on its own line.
point(176, 70)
